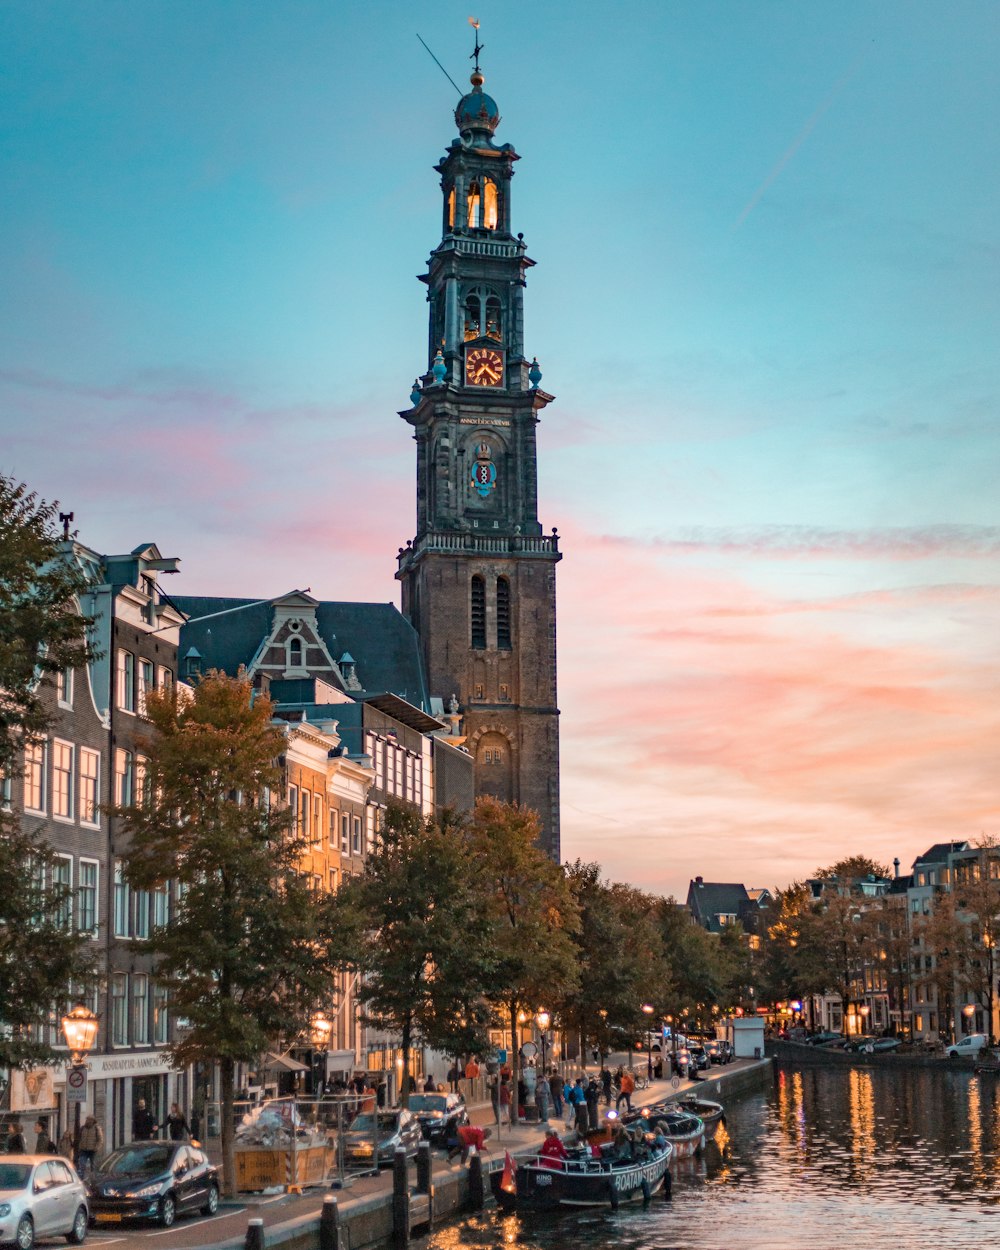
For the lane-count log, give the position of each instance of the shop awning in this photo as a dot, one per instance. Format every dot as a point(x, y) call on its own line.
point(284, 1063)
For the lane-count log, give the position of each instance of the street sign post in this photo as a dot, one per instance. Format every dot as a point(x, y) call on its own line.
point(76, 1084)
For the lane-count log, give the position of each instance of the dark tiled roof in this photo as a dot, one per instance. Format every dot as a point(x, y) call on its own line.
point(708, 899)
point(383, 642)
point(939, 852)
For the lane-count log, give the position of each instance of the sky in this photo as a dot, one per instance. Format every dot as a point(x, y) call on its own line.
point(767, 300)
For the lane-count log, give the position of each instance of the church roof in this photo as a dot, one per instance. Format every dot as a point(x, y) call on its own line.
point(382, 639)
point(477, 110)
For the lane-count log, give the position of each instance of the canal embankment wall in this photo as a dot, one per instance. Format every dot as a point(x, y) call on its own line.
point(371, 1221)
point(798, 1054)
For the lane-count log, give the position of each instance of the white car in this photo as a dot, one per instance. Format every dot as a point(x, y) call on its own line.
point(41, 1196)
point(968, 1047)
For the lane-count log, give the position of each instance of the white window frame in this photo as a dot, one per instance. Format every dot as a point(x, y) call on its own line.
point(293, 805)
point(6, 794)
point(139, 1008)
point(345, 833)
point(125, 681)
point(357, 846)
point(124, 777)
point(121, 918)
point(161, 905)
point(161, 1015)
point(317, 820)
point(118, 994)
point(84, 801)
point(64, 687)
point(146, 668)
point(64, 864)
point(305, 813)
point(35, 755)
point(85, 887)
point(59, 747)
point(141, 907)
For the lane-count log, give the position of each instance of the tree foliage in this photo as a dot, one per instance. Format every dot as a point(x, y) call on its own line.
point(244, 957)
point(420, 937)
point(44, 962)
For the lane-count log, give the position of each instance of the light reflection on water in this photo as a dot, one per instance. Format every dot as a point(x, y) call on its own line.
point(828, 1158)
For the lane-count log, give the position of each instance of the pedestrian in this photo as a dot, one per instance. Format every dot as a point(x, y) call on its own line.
point(381, 1093)
point(15, 1139)
point(542, 1097)
point(522, 1097)
point(429, 1086)
point(65, 1147)
point(177, 1125)
point(606, 1084)
point(43, 1142)
point(580, 1108)
point(626, 1088)
point(493, 1084)
point(593, 1094)
point(504, 1101)
point(471, 1069)
point(91, 1141)
point(556, 1090)
point(144, 1126)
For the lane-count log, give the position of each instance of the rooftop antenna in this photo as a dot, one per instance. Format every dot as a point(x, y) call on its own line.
point(474, 54)
point(441, 67)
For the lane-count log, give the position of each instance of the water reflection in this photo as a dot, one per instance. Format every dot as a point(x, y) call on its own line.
point(828, 1158)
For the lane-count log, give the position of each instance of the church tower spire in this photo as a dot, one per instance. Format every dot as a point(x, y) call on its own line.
point(478, 579)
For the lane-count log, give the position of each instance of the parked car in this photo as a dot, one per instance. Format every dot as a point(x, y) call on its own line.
point(699, 1055)
point(439, 1115)
point(41, 1197)
point(825, 1037)
point(153, 1180)
point(967, 1047)
point(374, 1136)
point(719, 1051)
point(882, 1045)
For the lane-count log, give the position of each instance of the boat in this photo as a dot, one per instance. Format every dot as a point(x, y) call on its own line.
point(711, 1114)
point(546, 1184)
point(685, 1132)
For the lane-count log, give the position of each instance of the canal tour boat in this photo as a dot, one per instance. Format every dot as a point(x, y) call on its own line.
point(685, 1132)
point(545, 1184)
point(711, 1114)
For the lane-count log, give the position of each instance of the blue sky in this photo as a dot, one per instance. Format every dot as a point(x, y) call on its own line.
point(766, 299)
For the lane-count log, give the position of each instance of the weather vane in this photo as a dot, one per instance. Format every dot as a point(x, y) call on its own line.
point(474, 54)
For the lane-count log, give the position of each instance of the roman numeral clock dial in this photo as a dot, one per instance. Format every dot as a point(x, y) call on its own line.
point(483, 367)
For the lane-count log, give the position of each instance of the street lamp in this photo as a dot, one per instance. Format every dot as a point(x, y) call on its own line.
point(863, 1011)
point(968, 1011)
point(543, 1020)
point(320, 1029)
point(648, 1010)
point(79, 1027)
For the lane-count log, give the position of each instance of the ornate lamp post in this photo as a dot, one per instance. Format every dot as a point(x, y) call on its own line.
point(79, 1027)
point(968, 1011)
point(543, 1020)
point(648, 1011)
point(320, 1029)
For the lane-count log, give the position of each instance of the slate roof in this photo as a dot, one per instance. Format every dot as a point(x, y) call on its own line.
point(939, 852)
point(382, 640)
point(708, 899)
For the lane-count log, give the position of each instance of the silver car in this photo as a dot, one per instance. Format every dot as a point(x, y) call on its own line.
point(41, 1196)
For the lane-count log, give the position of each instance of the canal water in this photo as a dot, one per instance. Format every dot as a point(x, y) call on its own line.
point(828, 1158)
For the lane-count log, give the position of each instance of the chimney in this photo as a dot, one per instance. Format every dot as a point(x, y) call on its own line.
point(895, 864)
point(699, 880)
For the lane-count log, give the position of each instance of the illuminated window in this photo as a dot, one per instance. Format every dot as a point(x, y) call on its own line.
point(490, 202)
point(503, 614)
point(34, 777)
point(90, 773)
point(124, 777)
point(477, 610)
point(147, 683)
point(62, 780)
point(472, 315)
point(64, 687)
point(161, 1014)
point(494, 319)
point(479, 691)
point(451, 208)
point(474, 202)
point(504, 692)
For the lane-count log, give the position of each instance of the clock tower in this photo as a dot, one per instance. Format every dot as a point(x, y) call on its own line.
point(479, 578)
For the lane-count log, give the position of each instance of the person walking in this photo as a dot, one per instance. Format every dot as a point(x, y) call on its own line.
point(580, 1108)
point(606, 1084)
point(626, 1089)
point(556, 1090)
point(90, 1143)
point(177, 1125)
point(16, 1144)
point(505, 1101)
point(144, 1126)
point(593, 1094)
point(43, 1142)
point(65, 1147)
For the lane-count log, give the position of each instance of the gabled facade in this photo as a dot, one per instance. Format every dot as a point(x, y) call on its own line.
point(719, 905)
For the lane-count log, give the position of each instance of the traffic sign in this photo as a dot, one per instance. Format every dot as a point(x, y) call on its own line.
point(76, 1083)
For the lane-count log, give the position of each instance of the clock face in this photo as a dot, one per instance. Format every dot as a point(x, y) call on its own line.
point(483, 367)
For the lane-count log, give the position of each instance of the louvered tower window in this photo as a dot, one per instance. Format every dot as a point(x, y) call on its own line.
point(503, 614)
point(478, 613)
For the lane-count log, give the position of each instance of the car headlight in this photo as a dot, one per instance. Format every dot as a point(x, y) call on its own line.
point(147, 1191)
point(4, 1208)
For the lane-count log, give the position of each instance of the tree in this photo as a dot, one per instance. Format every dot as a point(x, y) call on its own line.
point(420, 937)
point(853, 868)
point(43, 960)
point(246, 955)
point(620, 959)
point(532, 911)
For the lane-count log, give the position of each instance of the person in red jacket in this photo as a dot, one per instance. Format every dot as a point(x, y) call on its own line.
point(552, 1151)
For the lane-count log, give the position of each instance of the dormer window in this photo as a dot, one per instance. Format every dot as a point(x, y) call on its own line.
point(294, 652)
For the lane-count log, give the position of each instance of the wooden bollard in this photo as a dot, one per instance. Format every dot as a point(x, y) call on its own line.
point(329, 1224)
point(425, 1179)
point(400, 1200)
point(477, 1188)
point(255, 1235)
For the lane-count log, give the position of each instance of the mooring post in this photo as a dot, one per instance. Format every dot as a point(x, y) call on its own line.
point(425, 1179)
point(477, 1190)
point(400, 1200)
point(255, 1235)
point(329, 1224)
